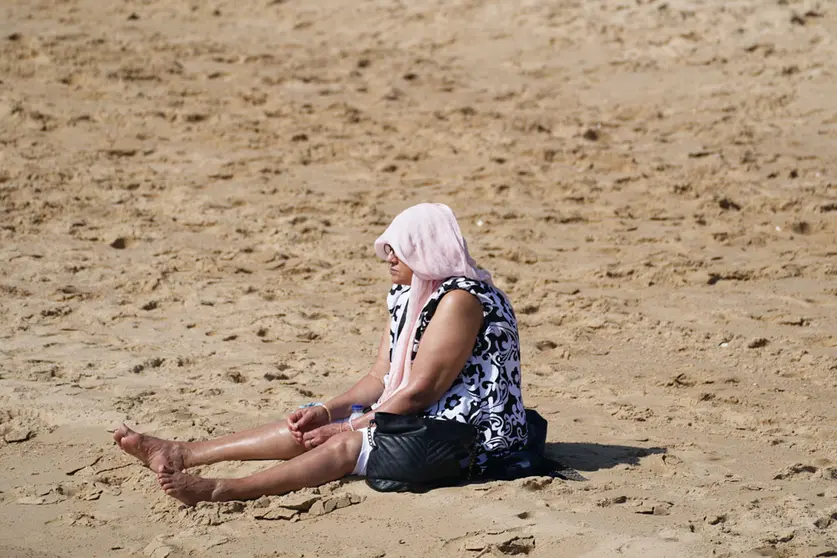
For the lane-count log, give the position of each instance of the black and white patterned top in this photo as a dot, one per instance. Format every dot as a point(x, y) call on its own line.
point(487, 393)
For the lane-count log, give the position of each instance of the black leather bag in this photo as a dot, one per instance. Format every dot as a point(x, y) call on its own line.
point(413, 453)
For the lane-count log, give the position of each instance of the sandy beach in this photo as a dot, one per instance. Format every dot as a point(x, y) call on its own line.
point(189, 193)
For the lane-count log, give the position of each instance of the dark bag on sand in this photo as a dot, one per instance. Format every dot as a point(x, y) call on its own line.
point(532, 460)
point(414, 453)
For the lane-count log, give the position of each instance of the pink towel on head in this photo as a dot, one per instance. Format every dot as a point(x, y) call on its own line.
point(427, 238)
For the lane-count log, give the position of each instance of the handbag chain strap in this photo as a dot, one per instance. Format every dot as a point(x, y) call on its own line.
point(369, 433)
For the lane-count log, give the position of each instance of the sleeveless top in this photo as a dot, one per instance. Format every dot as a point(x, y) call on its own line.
point(487, 393)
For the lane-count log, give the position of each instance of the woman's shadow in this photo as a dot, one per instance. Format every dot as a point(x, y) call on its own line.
point(592, 457)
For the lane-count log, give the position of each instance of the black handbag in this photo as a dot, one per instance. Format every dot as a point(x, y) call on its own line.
point(414, 453)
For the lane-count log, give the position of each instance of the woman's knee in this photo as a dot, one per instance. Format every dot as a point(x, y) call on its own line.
point(345, 448)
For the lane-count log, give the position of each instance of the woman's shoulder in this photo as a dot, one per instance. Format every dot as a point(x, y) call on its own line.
point(492, 298)
point(473, 286)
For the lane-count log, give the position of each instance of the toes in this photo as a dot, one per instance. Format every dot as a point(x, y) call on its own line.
point(120, 433)
point(166, 481)
point(129, 441)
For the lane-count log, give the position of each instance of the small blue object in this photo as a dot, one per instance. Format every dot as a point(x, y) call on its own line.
point(317, 404)
point(357, 412)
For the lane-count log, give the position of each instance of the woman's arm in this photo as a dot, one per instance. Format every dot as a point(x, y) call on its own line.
point(445, 348)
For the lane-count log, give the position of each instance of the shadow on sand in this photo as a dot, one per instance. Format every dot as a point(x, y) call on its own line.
point(592, 457)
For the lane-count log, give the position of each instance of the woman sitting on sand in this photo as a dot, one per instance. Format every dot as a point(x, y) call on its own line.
point(450, 349)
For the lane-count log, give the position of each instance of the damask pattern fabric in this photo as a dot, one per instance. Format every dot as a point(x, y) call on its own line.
point(487, 393)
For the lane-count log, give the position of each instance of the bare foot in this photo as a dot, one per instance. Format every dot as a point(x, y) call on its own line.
point(189, 489)
point(156, 454)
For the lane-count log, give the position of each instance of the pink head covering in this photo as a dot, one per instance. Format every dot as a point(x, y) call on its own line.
point(427, 238)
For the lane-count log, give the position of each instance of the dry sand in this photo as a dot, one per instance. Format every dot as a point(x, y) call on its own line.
point(189, 194)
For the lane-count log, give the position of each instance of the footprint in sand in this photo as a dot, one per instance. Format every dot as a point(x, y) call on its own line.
point(795, 470)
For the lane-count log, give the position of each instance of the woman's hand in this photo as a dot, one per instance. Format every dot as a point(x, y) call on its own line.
point(305, 420)
point(319, 436)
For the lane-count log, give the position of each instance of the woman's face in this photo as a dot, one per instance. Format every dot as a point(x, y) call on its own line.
point(401, 274)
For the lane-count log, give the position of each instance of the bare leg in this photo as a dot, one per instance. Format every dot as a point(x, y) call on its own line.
point(271, 441)
point(333, 460)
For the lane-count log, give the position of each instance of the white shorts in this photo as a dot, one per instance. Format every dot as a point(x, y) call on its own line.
point(363, 458)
